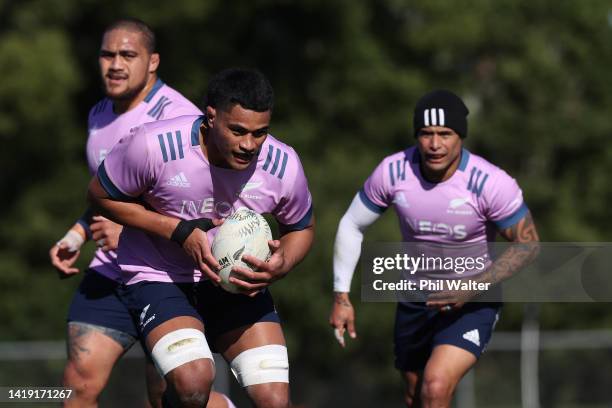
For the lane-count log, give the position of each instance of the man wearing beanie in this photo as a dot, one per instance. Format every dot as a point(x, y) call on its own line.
point(444, 196)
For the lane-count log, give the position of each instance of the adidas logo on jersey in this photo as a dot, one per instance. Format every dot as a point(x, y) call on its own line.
point(179, 181)
point(472, 336)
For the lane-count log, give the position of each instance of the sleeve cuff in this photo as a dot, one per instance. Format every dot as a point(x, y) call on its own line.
point(369, 203)
point(110, 187)
point(298, 226)
point(513, 218)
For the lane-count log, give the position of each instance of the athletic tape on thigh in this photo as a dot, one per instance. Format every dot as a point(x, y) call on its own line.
point(260, 365)
point(179, 347)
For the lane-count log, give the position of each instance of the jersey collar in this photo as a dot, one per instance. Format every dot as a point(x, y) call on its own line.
point(156, 86)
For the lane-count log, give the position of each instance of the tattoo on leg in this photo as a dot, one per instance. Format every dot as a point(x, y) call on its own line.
point(77, 332)
point(75, 343)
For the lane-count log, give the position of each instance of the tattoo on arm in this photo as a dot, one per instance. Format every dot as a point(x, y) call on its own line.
point(524, 250)
point(522, 231)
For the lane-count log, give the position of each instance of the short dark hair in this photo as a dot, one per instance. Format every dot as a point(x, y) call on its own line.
point(139, 26)
point(246, 87)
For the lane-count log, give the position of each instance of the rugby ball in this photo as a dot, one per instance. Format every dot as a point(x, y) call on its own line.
point(243, 233)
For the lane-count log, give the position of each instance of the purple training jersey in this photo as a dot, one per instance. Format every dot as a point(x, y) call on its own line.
point(467, 208)
point(162, 165)
point(106, 128)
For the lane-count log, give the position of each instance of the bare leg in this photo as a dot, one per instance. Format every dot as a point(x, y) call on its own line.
point(156, 385)
point(189, 384)
point(412, 381)
point(92, 353)
point(446, 366)
point(234, 342)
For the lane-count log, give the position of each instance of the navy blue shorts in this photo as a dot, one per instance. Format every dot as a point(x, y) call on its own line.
point(153, 303)
point(223, 311)
point(97, 302)
point(418, 329)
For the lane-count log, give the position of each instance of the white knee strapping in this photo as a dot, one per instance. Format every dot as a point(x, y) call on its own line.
point(260, 365)
point(179, 347)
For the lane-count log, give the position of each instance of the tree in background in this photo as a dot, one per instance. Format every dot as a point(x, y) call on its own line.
point(535, 75)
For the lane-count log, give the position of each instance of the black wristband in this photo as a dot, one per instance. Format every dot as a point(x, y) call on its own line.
point(185, 228)
point(182, 231)
point(204, 224)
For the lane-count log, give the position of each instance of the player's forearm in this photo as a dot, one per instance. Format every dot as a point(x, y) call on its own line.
point(295, 245)
point(85, 221)
point(523, 250)
point(347, 250)
point(342, 298)
point(137, 216)
point(131, 214)
point(347, 246)
point(513, 260)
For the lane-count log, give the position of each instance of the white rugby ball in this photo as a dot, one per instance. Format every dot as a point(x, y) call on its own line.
point(243, 233)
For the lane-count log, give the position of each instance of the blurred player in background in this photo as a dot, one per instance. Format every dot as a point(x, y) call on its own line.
point(438, 341)
point(160, 182)
point(100, 327)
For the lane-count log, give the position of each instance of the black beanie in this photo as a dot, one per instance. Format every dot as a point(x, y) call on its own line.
point(441, 108)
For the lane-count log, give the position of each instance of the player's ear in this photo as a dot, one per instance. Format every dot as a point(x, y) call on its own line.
point(153, 62)
point(211, 114)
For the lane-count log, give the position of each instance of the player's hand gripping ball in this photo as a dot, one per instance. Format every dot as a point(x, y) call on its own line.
point(243, 233)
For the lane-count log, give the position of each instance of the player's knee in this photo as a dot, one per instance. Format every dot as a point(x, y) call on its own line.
point(184, 357)
point(436, 388)
point(271, 396)
point(84, 383)
point(192, 382)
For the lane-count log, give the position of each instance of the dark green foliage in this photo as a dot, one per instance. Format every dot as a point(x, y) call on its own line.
point(535, 75)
